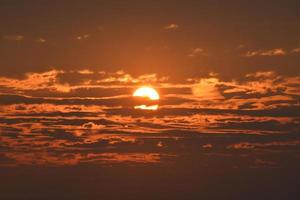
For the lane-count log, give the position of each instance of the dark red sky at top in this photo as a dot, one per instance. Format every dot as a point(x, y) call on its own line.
point(138, 36)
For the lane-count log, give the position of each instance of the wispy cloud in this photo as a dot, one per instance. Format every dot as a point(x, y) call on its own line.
point(197, 52)
point(82, 37)
point(248, 145)
point(36, 81)
point(40, 40)
point(172, 26)
point(296, 50)
point(13, 37)
point(85, 71)
point(271, 52)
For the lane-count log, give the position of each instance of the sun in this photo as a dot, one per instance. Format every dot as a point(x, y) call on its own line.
point(147, 92)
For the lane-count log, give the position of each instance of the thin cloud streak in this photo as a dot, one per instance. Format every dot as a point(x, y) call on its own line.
point(13, 37)
point(271, 52)
point(172, 26)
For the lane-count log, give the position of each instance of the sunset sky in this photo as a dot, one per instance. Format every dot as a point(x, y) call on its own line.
point(227, 77)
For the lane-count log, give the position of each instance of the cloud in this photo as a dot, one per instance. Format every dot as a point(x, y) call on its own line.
point(296, 50)
point(171, 26)
point(213, 117)
point(262, 74)
point(271, 52)
point(77, 83)
point(91, 125)
point(256, 83)
point(13, 37)
point(132, 157)
point(248, 145)
point(82, 37)
point(206, 88)
point(262, 101)
point(197, 52)
point(207, 146)
point(40, 40)
point(60, 159)
point(264, 163)
point(36, 81)
point(259, 90)
point(85, 71)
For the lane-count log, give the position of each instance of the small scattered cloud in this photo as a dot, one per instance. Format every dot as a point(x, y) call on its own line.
point(131, 157)
point(83, 37)
point(13, 37)
point(207, 146)
point(171, 26)
point(85, 71)
point(213, 74)
point(266, 163)
point(296, 50)
point(261, 74)
point(159, 144)
point(91, 125)
point(197, 52)
point(40, 40)
point(271, 52)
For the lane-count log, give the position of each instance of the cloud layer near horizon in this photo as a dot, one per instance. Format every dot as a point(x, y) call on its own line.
point(73, 117)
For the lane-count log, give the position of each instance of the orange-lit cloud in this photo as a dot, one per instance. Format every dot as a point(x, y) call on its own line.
point(207, 89)
point(248, 145)
point(83, 37)
point(48, 159)
point(96, 119)
point(296, 50)
point(41, 40)
point(271, 52)
point(36, 81)
point(172, 26)
point(197, 52)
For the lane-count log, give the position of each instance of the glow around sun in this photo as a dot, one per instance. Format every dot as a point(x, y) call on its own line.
point(147, 92)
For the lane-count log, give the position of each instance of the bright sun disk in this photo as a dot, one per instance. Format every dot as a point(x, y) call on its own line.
point(148, 92)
